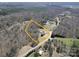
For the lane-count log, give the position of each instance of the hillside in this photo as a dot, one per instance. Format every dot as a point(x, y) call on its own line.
point(12, 36)
point(68, 27)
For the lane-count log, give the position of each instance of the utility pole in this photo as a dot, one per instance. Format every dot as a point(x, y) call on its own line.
point(74, 29)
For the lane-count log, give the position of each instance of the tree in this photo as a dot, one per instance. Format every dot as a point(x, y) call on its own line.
point(50, 48)
point(73, 51)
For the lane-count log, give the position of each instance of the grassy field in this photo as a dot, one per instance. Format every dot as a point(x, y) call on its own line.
point(66, 41)
point(69, 41)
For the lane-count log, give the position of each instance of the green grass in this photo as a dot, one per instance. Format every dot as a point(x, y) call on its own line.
point(32, 54)
point(69, 41)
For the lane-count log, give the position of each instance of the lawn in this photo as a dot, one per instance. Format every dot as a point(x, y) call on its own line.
point(69, 41)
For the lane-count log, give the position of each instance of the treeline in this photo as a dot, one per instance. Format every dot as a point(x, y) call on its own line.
point(10, 10)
